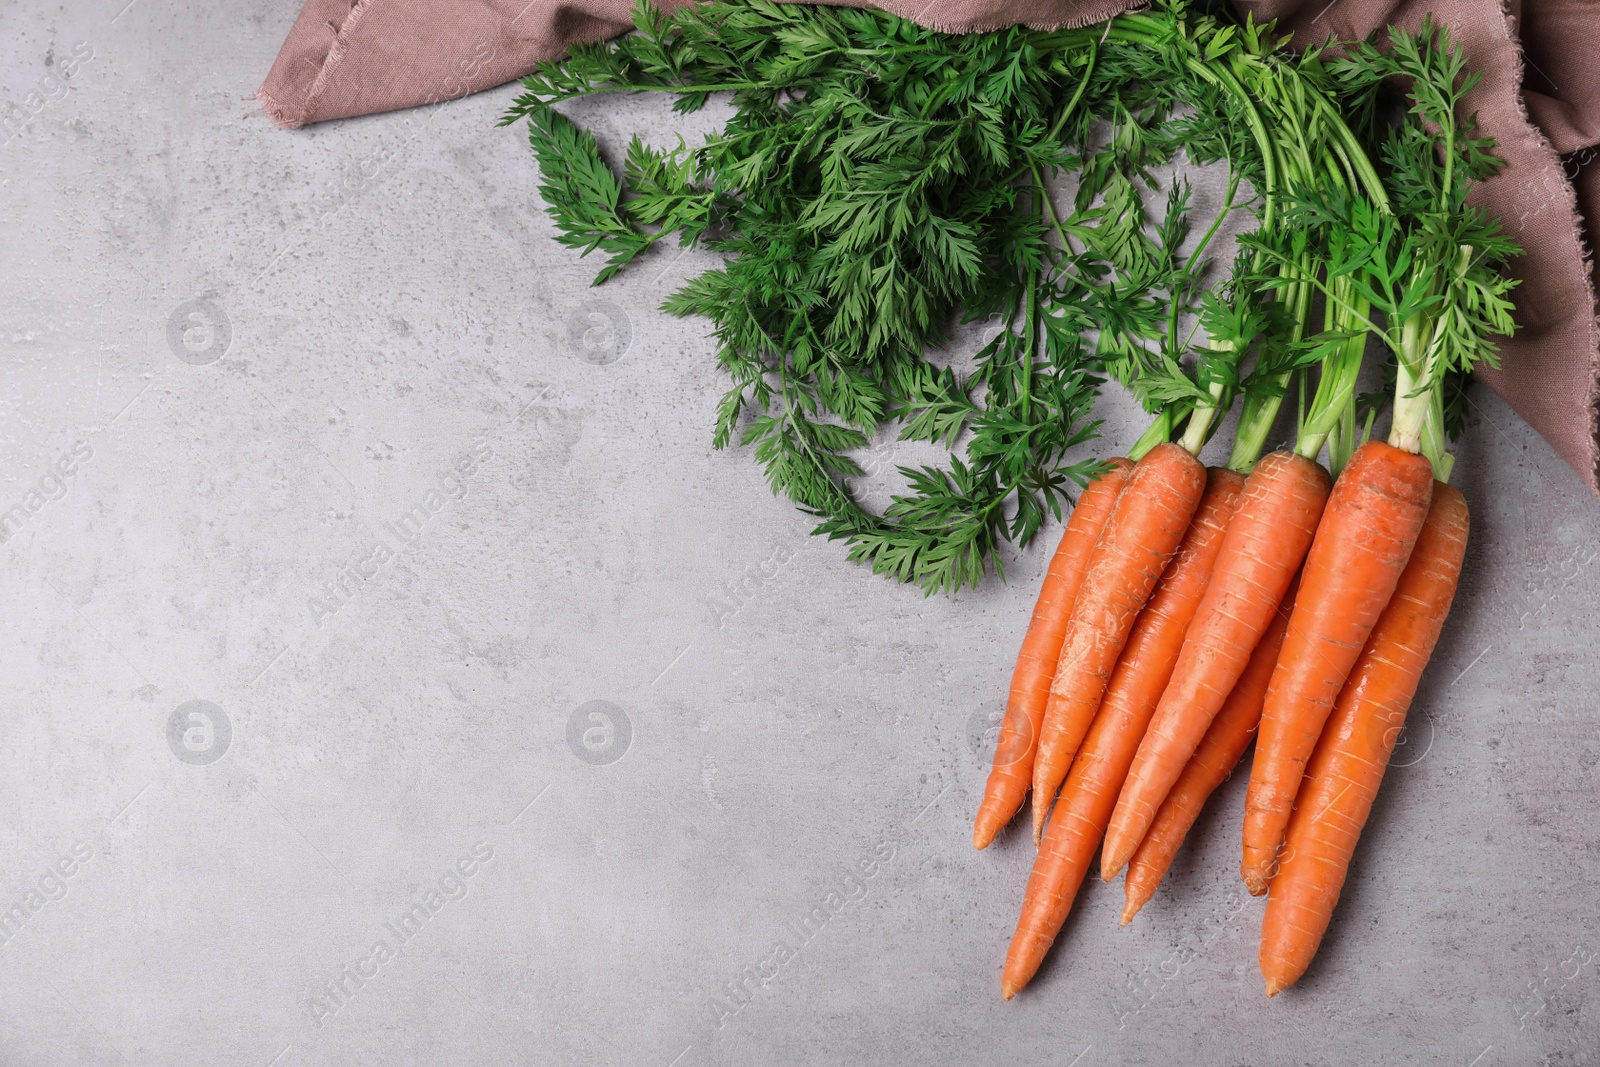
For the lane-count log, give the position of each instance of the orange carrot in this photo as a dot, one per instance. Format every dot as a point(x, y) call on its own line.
point(1348, 764)
point(1372, 519)
point(1266, 543)
point(1230, 734)
point(1012, 772)
point(1091, 788)
point(1144, 531)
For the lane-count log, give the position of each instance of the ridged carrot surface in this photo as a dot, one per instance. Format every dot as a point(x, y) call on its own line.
point(1091, 788)
point(1012, 771)
point(1143, 532)
point(1372, 519)
point(1213, 761)
point(1347, 765)
point(1266, 543)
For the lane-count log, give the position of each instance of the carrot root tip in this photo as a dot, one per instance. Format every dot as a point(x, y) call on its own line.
point(1274, 987)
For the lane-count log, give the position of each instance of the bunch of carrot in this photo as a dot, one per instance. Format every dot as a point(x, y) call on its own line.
point(1190, 610)
point(1175, 632)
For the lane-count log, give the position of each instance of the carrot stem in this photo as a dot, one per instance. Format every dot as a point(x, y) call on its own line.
point(1334, 400)
point(1260, 408)
point(1198, 432)
point(1160, 429)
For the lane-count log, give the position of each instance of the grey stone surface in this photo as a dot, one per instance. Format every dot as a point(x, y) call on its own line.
point(602, 709)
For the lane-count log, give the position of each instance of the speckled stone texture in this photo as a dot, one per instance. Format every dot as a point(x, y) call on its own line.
point(394, 674)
